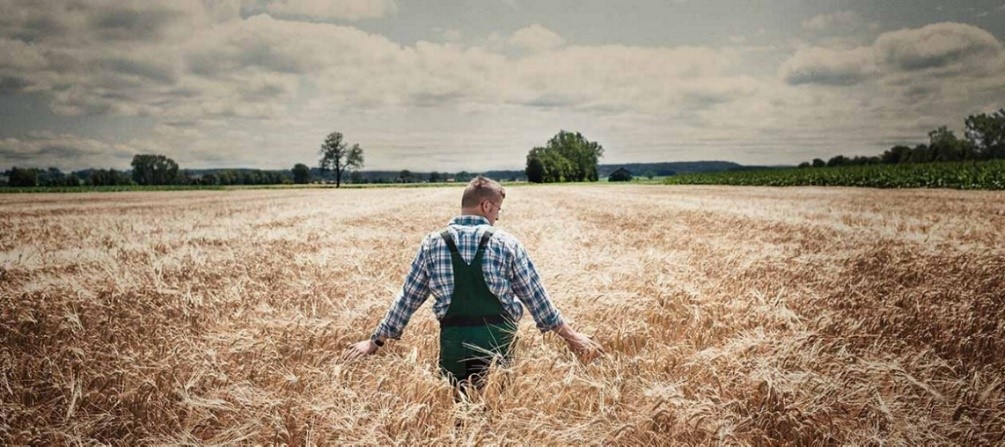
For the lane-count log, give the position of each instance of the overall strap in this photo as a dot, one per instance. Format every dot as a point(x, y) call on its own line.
point(450, 241)
point(445, 234)
point(485, 239)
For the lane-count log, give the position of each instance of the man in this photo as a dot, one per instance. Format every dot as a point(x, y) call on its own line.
point(479, 277)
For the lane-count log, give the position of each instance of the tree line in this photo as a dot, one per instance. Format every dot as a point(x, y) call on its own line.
point(984, 139)
point(147, 170)
point(339, 162)
point(566, 157)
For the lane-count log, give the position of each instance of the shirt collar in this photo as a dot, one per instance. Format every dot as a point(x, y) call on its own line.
point(469, 220)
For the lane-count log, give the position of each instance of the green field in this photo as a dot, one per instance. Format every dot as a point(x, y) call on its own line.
point(957, 175)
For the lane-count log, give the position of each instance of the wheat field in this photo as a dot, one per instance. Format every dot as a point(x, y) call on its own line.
point(733, 316)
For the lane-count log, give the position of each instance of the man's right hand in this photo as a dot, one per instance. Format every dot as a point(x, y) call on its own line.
point(359, 350)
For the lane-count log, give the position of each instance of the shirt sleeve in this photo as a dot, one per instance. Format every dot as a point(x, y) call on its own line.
point(414, 292)
point(527, 285)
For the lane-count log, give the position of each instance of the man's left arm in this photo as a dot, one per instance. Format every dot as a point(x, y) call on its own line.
point(527, 285)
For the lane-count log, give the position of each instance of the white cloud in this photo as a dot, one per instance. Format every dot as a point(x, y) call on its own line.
point(814, 65)
point(901, 86)
point(234, 74)
point(835, 20)
point(20, 55)
point(536, 38)
point(224, 90)
point(351, 10)
point(940, 45)
point(66, 151)
point(935, 50)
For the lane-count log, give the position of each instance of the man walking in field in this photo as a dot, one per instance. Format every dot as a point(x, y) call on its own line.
point(478, 276)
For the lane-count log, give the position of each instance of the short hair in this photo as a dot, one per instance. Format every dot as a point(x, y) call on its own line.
point(479, 189)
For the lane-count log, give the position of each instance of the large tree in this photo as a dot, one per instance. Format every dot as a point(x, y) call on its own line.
point(583, 154)
point(567, 157)
point(337, 156)
point(154, 170)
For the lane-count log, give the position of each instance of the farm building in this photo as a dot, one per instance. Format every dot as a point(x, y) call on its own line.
point(620, 175)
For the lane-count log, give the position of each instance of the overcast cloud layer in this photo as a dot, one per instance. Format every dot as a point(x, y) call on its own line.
point(474, 85)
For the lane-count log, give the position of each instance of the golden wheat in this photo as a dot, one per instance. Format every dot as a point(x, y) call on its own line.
point(801, 316)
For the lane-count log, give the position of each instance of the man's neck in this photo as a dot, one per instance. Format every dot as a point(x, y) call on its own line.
point(467, 212)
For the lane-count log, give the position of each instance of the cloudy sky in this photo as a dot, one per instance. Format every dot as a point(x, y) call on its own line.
point(449, 85)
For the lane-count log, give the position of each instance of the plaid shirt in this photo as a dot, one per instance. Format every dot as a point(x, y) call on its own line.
point(508, 271)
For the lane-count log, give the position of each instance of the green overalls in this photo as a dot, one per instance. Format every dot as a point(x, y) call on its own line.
point(476, 329)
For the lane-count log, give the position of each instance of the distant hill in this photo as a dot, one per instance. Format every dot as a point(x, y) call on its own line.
point(669, 168)
point(637, 169)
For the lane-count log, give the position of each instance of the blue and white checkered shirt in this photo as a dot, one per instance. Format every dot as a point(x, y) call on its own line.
point(508, 271)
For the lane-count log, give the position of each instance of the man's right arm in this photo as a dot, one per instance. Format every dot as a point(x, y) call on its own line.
point(414, 292)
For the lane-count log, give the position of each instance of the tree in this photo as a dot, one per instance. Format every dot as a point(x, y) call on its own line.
point(51, 177)
point(356, 177)
point(818, 163)
point(862, 160)
point(556, 167)
point(896, 154)
point(987, 134)
point(434, 177)
point(567, 157)
point(336, 156)
point(405, 176)
point(582, 154)
point(154, 170)
point(944, 146)
point(71, 180)
point(839, 160)
point(535, 169)
point(301, 174)
point(920, 154)
point(22, 177)
point(110, 177)
point(650, 174)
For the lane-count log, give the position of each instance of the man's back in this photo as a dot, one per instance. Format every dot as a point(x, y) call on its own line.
point(508, 273)
point(507, 269)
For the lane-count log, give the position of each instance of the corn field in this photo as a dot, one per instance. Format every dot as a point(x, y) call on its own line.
point(957, 175)
point(730, 315)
